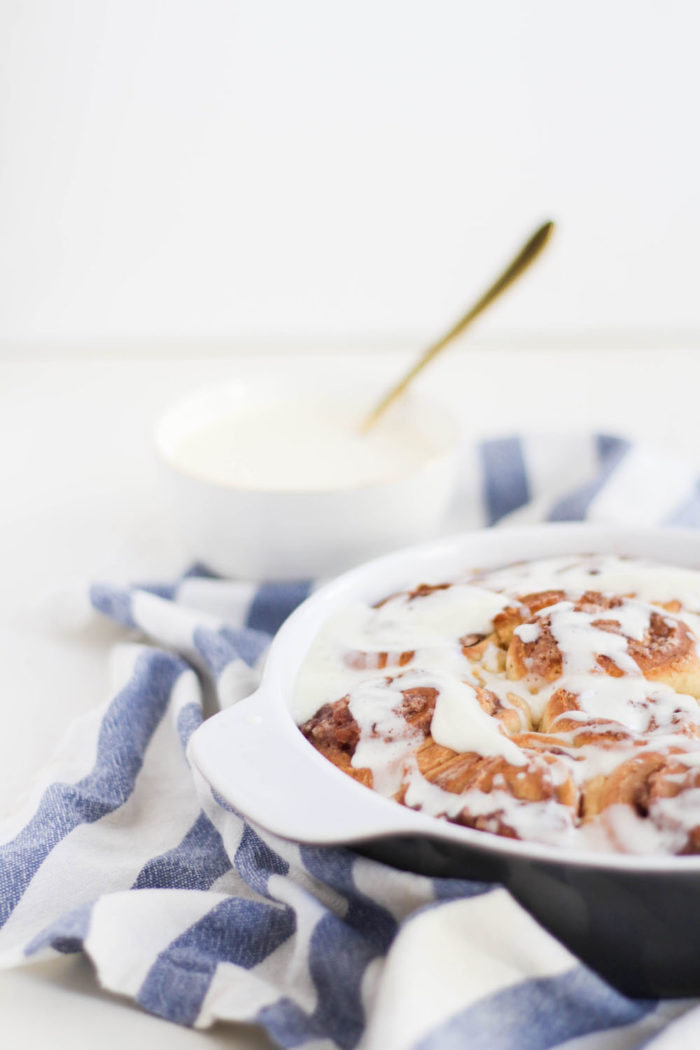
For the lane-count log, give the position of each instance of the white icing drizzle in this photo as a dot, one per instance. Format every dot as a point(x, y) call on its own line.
point(580, 642)
point(385, 740)
point(430, 626)
point(453, 612)
point(630, 700)
point(460, 723)
point(372, 655)
point(648, 580)
point(528, 632)
point(547, 821)
point(630, 833)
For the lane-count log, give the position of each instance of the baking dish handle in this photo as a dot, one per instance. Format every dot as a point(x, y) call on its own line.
point(256, 760)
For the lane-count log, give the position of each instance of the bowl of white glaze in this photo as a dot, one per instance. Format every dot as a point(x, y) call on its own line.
point(276, 480)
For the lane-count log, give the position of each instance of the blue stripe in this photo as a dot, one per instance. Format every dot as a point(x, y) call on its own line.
point(341, 949)
point(66, 935)
point(219, 648)
point(504, 477)
point(189, 719)
point(538, 1014)
point(334, 867)
point(199, 571)
point(220, 801)
point(166, 591)
point(274, 602)
point(575, 505)
point(611, 449)
point(288, 1024)
point(242, 932)
point(194, 864)
point(255, 862)
point(339, 953)
point(459, 889)
point(687, 514)
point(113, 602)
point(124, 735)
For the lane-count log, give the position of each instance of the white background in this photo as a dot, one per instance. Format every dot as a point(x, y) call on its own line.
point(182, 179)
point(218, 170)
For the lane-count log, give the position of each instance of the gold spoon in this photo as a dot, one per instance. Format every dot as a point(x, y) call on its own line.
point(527, 255)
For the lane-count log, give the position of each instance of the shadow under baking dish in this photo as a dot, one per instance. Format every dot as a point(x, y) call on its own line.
point(635, 920)
point(640, 931)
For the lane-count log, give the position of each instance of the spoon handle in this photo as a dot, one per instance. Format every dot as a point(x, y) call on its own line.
point(527, 255)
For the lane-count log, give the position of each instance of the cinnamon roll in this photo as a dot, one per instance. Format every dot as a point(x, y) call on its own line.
point(491, 789)
point(658, 791)
point(552, 701)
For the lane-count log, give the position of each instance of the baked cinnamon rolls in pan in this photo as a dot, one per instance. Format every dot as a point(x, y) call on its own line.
point(554, 701)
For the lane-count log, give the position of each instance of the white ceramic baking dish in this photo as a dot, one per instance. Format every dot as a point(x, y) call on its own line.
point(254, 756)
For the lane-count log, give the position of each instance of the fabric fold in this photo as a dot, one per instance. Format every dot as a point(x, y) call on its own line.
point(188, 909)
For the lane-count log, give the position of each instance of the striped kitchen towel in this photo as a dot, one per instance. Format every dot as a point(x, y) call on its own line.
point(123, 853)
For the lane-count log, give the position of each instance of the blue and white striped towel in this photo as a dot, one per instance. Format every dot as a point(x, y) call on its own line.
point(122, 853)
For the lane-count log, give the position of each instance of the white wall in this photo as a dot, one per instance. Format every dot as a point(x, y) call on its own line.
point(224, 168)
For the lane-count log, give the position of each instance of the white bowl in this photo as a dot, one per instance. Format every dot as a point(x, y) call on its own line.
point(266, 533)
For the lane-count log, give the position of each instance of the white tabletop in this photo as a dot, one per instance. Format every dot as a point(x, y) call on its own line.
point(80, 502)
